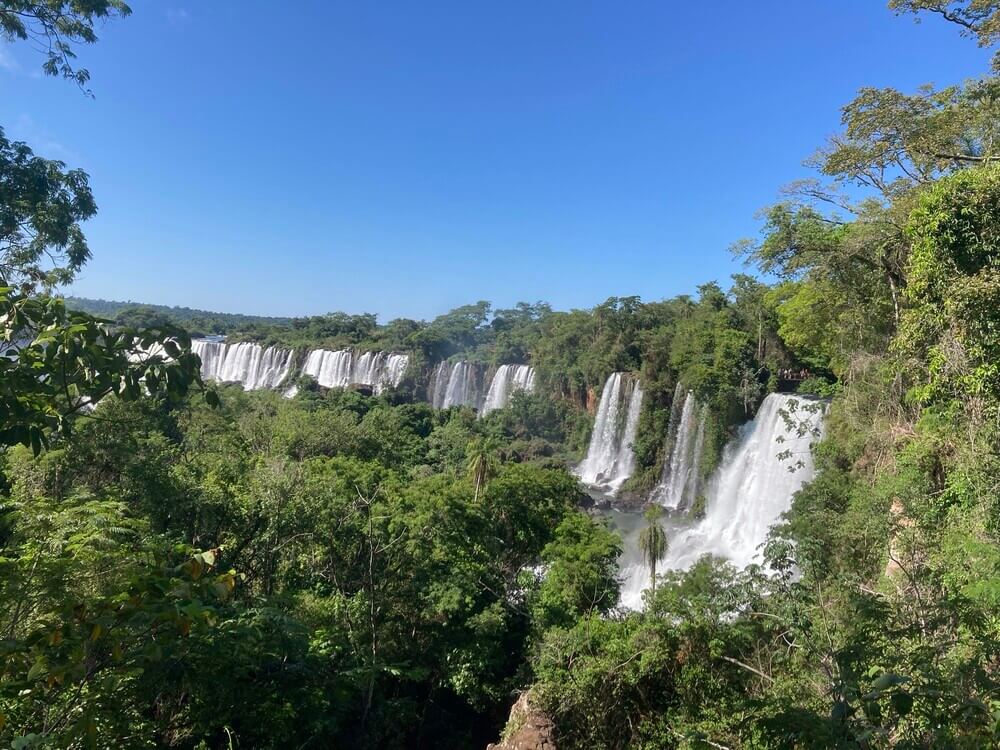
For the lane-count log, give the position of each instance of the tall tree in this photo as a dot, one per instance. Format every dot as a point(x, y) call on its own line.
point(653, 541)
point(55, 363)
point(482, 462)
point(42, 205)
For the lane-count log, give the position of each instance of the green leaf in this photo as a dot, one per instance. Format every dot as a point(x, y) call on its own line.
point(39, 668)
point(885, 682)
point(902, 702)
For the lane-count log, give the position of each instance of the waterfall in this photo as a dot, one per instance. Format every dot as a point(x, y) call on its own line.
point(678, 486)
point(610, 459)
point(246, 363)
point(507, 380)
point(381, 370)
point(368, 368)
point(330, 369)
point(694, 482)
point(754, 484)
point(676, 408)
point(455, 385)
point(747, 494)
point(395, 369)
point(439, 384)
point(339, 369)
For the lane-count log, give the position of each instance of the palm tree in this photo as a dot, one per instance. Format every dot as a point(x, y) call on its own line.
point(482, 462)
point(653, 541)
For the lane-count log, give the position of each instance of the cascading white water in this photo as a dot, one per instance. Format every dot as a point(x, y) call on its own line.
point(610, 459)
point(754, 484)
point(760, 472)
point(678, 486)
point(339, 369)
point(368, 367)
point(694, 483)
point(330, 369)
point(381, 370)
point(507, 380)
point(676, 407)
point(461, 386)
point(395, 369)
point(246, 363)
point(439, 384)
point(455, 385)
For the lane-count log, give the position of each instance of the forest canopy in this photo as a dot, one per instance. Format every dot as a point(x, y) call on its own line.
point(195, 566)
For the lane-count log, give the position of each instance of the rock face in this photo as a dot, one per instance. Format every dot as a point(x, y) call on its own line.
point(527, 728)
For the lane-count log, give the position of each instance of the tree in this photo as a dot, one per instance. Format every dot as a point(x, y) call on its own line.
point(460, 329)
point(89, 600)
point(482, 462)
point(893, 141)
point(892, 144)
point(653, 541)
point(977, 18)
point(54, 26)
point(581, 573)
point(41, 207)
point(55, 364)
point(953, 322)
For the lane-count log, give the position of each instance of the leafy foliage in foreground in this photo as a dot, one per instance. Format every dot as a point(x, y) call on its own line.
point(399, 606)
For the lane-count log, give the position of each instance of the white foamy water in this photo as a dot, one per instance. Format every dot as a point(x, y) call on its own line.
point(254, 367)
point(339, 369)
point(678, 487)
point(745, 497)
point(610, 459)
point(455, 384)
point(508, 380)
point(248, 364)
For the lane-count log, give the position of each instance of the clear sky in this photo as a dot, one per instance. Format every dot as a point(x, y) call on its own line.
point(404, 158)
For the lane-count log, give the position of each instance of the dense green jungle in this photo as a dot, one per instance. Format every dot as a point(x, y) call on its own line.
point(187, 563)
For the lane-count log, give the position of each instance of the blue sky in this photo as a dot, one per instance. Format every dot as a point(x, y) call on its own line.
point(405, 158)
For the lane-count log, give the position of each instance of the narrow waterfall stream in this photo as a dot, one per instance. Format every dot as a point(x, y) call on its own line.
point(678, 486)
point(610, 460)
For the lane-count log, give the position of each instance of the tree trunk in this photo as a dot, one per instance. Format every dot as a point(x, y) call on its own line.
point(895, 298)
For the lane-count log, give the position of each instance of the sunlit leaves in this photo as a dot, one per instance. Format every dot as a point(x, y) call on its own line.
point(55, 26)
point(55, 364)
point(43, 205)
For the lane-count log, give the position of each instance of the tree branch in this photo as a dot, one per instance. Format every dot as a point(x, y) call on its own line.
point(756, 671)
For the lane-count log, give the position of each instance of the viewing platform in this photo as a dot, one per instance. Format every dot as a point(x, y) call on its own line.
point(789, 380)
